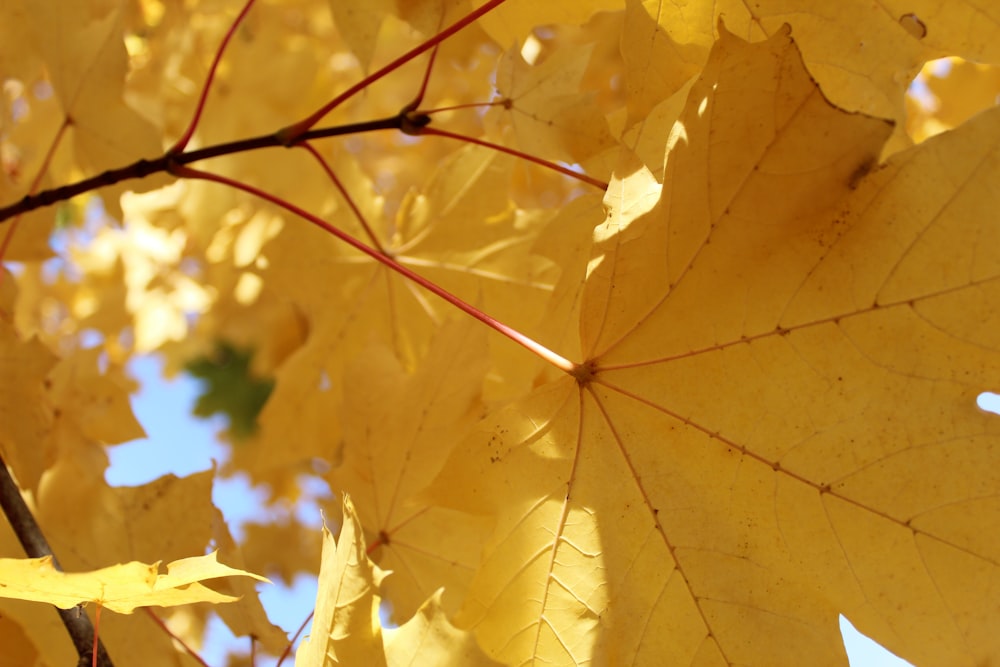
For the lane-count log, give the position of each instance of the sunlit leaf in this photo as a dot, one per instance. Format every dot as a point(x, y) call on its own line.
point(120, 588)
point(742, 400)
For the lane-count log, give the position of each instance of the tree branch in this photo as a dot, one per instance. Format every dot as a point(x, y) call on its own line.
point(143, 168)
point(29, 533)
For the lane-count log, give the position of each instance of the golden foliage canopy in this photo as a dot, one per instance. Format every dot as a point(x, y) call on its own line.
point(737, 293)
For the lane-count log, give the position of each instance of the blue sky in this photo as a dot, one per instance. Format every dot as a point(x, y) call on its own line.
point(180, 444)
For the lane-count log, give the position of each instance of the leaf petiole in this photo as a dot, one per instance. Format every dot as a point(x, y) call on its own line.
point(200, 106)
point(389, 262)
point(516, 153)
point(292, 133)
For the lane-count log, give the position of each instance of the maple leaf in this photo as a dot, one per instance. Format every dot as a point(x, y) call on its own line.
point(862, 56)
point(86, 63)
point(398, 430)
point(348, 299)
point(130, 525)
point(26, 415)
point(360, 25)
point(92, 403)
point(516, 18)
point(247, 617)
point(346, 628)
point(91, 525)
point(656, 65)
point(545, 110)
point(18, 649)
point(777, 407)
point(782, 317)
point(120, 588)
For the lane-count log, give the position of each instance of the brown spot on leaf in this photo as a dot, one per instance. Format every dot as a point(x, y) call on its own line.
point(863, 170)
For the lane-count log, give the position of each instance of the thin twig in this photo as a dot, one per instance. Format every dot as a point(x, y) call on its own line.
point(29, 533)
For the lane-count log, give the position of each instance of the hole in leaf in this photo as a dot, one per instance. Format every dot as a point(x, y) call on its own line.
point(385, 611)
point(989, 402)
point(863, 651)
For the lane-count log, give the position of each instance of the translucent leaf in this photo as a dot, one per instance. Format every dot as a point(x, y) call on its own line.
point(120, 588)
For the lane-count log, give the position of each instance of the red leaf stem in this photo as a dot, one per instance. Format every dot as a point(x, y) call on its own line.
point(530, 344)
point(186, 137)
point(291, 133)
point(516, 153)
point(163, 626)
point(9, 234)
point(343, 191)
point(295, 637)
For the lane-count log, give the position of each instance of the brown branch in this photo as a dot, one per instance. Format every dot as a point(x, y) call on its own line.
point(143, 168)
point(29, 533)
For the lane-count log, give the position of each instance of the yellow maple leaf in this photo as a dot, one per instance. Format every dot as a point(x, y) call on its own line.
point(121, 588)
point(656, 66)
point(17, 648)
point(514, 19)
point(130, 524)
point(863, 56)
point(25, 138)
point(360, 25)
point(461, 231)
point(346, 628)
point(247, 617)
point(781, 337)
point(94, 404)
point(430, 639)
point(780, 345)
point(398, 430)
point(25, 412)
point(86, 64)
point(547, 113)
